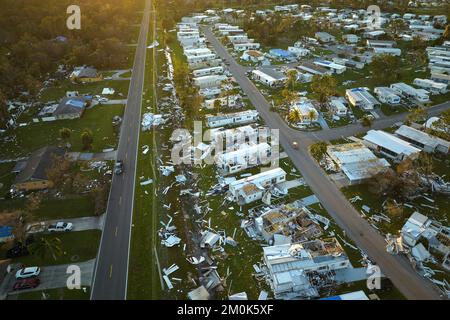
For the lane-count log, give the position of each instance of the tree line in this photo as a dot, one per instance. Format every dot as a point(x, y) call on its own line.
point(35, 40)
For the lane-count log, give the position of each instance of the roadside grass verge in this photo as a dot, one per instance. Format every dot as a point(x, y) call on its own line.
point(54, 294)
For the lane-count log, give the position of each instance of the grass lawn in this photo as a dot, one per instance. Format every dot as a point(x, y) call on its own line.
point(77, 246)
point(126, 74)
point(36, 135)
point(389, 110)
point(54, 294)
point(384, 294)
point(65, 208)
point(6, 177)
point(57, 92)
point(143, 279)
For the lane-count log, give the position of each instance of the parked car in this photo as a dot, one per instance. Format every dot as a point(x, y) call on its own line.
point(118, 167)
point(60, 226)
point(29, 272)
point(20, 250)
point(103, 99)
point(29, 283)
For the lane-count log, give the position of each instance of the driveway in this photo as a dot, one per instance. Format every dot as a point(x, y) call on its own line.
point(51, 277)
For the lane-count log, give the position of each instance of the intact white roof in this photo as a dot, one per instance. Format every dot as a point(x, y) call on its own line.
point(421, 137)
point(390, 142)
point(357, 295)
point(258, 177)
point(240, 155)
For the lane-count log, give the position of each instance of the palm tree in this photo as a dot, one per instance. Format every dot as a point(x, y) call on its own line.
point(295, 115)
point(44, 247)
point(217, 104)
point(312, 115)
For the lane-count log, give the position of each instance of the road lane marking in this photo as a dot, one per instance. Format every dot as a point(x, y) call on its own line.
point(117, 229)
point(120, 200)
point(110, 271)
point(126, 156)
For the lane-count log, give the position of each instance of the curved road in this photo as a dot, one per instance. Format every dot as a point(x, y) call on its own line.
point(111, 269)
point(397, 268)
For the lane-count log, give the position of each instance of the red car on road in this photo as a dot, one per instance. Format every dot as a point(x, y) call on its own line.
point(29, 283)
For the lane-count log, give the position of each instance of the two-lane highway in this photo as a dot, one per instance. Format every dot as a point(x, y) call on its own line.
point(111, 269)
point(397, 268)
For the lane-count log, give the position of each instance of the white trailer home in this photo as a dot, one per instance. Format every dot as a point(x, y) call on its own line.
point(208, 71)
point(196, 51)
point(269, 77)
point(238, 38)
point(299, 52)
point(246, 46)
point(390, 145)
point(252, 188)
point(332, 66)
point(422, 140)
point(411, 92)
point(430, 85)
point(230, 101)
point(361, 98)
point(246, 156)
point(356, 161)
point(209, 81)
point(337, 106)
point(391, 51)
point(387, 95)
point(190, 38)
point(236, 118)
point(324, 37)
point(201, 58)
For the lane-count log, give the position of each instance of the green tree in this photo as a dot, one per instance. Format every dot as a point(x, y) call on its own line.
point(217, 105)
point(382, 67)
point(45, 247)
point(291, 79)
point(87, 138)
point(366, 121)
point(418, 114)
point(3, 109)
point(295, 115)
point(397, 26)
point(446, 35)
point(318, 150)
point(323, 87)
point(65, 133)
point(312, 114)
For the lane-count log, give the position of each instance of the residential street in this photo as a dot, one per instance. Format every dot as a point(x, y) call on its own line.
point(397, 268)
point(111, 270)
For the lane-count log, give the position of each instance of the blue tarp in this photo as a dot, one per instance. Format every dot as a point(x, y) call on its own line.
point(5, 231)
point(332, 298)
point(280, 53)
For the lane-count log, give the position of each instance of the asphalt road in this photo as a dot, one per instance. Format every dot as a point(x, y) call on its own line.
point(111, 270)
point(397, 268)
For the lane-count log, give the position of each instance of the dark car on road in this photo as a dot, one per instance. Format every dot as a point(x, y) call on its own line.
point(26, 284)
point(118, 167)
